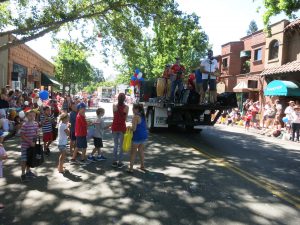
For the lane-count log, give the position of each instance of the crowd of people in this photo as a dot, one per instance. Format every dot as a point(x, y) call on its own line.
point(272, 119)
point(63, 119)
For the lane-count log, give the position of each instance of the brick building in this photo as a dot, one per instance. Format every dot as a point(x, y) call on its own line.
point(21, 67)
point(250, 64)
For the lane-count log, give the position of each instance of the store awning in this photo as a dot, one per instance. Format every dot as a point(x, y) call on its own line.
point(47, 80)
point(241, 87)
point(282, 88)
point(245, 54)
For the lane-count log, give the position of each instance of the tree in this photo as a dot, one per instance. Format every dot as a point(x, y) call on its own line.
point(71, 65)
point(98, 75)
point(114, 20)
point(176, 34)
point(275, 7)
point(252, 27)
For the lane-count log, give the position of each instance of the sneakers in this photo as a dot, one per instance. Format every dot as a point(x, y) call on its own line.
point(91, 158)
point(114, 164)
point(101, 158)
point(24, 178)
point(121, 165)
point(30, 174)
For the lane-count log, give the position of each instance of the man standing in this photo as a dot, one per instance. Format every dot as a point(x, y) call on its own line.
point(177, 77)
point(209, 69)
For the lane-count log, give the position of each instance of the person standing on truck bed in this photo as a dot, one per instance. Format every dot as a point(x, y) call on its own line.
point(167, 73)
point(209, 69)
point(177, 75)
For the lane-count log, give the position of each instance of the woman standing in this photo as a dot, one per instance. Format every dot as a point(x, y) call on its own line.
point(118, 128)
point(140, 135)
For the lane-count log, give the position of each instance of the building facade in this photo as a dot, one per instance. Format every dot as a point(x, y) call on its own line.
point(21, 67)
point(250, 64)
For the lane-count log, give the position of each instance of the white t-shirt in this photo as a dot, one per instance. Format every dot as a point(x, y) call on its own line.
point(62, 136)
point(288, 112)
point(209, 67)
point(99, 127)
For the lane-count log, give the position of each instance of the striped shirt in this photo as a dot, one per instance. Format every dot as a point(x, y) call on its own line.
point(46, 125)
point(29, 130)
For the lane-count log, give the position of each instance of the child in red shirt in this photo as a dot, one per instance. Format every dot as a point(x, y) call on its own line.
point(80, 133)
point(248, 118)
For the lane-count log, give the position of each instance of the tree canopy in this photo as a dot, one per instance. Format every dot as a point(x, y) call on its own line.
point(252, 27)
point(275, 7)
point(116, 20)
point(71, 65)
point(175, 35)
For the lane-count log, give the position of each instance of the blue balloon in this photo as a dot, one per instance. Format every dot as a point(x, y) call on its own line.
point(133, 78)
point(44, 95)
point(142, 79)
point(285, 119)
point(137, 71)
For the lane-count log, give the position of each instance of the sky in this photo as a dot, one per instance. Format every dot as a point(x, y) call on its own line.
point(222, 20)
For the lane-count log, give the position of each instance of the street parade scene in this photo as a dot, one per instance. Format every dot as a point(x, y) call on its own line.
point(149, 112)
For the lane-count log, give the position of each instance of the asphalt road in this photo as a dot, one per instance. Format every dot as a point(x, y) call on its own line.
point(218, 176)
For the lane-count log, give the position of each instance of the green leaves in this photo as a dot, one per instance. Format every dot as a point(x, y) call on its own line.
point(71, 65)
point(274, 7)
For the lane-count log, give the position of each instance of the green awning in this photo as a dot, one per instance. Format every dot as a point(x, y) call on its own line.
point(47, 80)
point(282, 88)
point(245, 54)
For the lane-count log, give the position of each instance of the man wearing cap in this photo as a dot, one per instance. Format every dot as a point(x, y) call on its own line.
point(209, 69)
point(296, 123)
point(177, 77)
point(289, 111)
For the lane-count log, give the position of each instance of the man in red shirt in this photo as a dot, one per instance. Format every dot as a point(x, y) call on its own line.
point(177, 77)
point(192, 81)
point(81, 126)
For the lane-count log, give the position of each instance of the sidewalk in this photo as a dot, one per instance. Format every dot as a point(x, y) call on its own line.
point(257, 133)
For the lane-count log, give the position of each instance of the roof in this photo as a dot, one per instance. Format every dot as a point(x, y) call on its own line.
point(290, 67)
point(292, 26)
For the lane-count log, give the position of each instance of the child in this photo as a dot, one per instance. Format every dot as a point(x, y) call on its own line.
point(140, 135)
point(47, 121)
point(98, 136)
point(63, 133)
point(73, 115)
point(29, 133)
point(248, 118)
point(80, 133)
point(3, 156)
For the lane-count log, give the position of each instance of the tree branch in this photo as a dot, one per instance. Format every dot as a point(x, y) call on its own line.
point(26, 39)
point(70, 19)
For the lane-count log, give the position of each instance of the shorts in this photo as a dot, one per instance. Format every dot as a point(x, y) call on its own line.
point(62, 148)
point(199, 88)
point(23, 155)
point(98, 142)
point(47, 137)
point(247, 124)
point(212, 85)
point(140, 142)
point(81, 142)
point(72, 136)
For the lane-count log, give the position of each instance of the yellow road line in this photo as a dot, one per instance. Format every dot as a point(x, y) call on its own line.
point(294, 200)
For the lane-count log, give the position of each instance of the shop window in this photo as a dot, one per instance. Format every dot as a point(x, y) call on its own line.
point(257, 54)
point(273, 49)
point(252, 83)
point(225, 62)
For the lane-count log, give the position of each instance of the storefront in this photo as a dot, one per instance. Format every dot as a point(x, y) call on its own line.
point(19, 76)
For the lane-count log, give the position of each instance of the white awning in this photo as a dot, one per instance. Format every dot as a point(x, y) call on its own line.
point(242, 86)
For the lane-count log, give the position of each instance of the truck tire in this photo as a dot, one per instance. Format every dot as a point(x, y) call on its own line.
point(150, 120)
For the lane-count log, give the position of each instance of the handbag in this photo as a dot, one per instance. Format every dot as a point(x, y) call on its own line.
point(35, 155)
point(127, 140)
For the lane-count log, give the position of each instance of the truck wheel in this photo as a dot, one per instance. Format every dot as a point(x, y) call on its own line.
point(150, 120)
